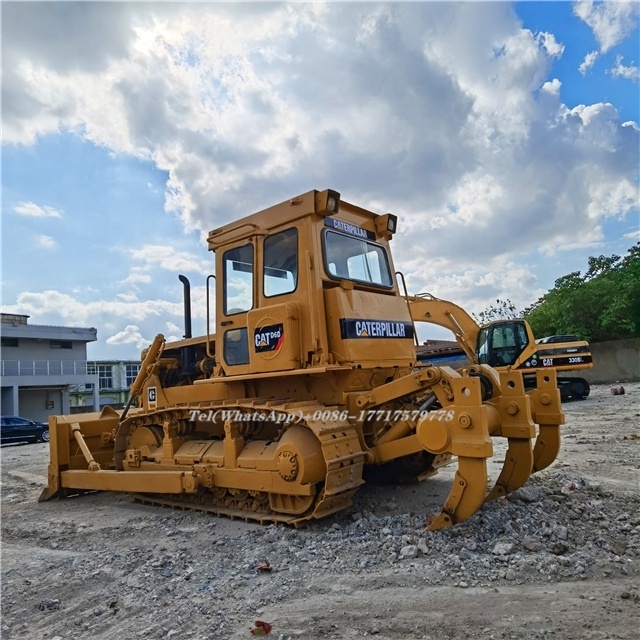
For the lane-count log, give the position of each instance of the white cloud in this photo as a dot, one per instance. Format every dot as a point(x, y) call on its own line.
point(474, 288)
point(173, 328)
point(633, 235)
point(68, 309)
point(137, 275)
point(32, 210)
point(552, 87)
point(46, 242)
point(129, 335)
point(611, 22)
point(620, 71)
point(440, 112)
point(550, 44)
point(588, 62)
point(165, 258)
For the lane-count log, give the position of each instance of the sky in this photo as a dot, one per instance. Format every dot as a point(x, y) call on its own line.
point(503, 135)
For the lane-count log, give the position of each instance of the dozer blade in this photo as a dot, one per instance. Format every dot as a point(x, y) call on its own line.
point(517, 468)
point(466, 495)
point(78, 443)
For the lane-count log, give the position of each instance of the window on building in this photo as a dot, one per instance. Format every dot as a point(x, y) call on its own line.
point(60, 344)
point(131, 372)
point(104, 373)
point(10, 342)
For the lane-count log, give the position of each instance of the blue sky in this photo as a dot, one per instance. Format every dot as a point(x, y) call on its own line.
point(504, 135)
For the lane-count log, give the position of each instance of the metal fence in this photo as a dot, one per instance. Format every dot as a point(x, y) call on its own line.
point(44, 368)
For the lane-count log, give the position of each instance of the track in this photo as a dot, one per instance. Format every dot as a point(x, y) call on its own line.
point(341, 450)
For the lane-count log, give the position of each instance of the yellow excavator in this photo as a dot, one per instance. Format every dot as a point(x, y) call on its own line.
point(510, 344)
point(309, 379)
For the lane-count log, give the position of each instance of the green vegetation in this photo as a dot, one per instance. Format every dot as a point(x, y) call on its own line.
point(501, 310)
point(602, 304)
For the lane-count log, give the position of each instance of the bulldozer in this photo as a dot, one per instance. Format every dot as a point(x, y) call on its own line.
point(309, 381)
point(510, 344)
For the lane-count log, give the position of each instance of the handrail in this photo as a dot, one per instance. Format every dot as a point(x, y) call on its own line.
point(208, 348)
point(44, 368)
point(406, 297)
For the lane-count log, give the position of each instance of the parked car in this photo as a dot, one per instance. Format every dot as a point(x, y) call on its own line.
point(15, 429)
point(556, 339)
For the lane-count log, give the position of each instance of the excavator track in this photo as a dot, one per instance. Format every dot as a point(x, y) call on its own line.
point(341, 450)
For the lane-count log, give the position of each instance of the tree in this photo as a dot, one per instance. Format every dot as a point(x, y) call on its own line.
point(501, 310)
point(604, 304)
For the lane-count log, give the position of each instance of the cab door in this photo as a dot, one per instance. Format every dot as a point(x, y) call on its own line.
point(274, 327)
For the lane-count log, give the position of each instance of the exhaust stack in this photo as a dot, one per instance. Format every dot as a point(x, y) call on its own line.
point(187, 355)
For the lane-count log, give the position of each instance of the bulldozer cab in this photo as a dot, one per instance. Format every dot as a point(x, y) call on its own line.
point(309, 283)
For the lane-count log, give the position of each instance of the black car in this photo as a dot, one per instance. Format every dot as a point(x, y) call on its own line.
point(14, 429)
point(557, 339)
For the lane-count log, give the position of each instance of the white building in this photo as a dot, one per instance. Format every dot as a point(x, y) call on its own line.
point(114, 379)
point(41, 365)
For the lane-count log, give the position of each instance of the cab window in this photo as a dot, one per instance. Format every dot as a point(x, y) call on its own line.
point(237, 265)
point(236, 346)
point(501, 344)
point(351, 258)
point(280, 263)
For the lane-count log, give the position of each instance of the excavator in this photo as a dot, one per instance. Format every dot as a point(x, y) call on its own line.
point(509, 344)
point(309, 379)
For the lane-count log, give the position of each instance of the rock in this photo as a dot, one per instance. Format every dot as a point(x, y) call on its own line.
point(409, 551)
point(528, 494)
point(531, 544)
point(503, 548)
point(619, 547)
point(560, 532)
point(422, 546)
point(49, 605)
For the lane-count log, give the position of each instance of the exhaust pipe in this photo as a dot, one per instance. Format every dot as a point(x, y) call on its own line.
point(186, 355)
point(187, 305)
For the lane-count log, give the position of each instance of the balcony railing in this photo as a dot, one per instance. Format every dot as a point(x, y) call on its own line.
point(44, 368)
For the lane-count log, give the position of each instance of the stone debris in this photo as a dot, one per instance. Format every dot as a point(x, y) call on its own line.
point(559, 528)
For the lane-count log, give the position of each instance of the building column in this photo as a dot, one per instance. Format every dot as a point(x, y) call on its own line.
point(65, 401)
point(15, 401)
point(96, 397)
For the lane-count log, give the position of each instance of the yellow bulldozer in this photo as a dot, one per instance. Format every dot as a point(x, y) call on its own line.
point(510, 343)
point(309, 381)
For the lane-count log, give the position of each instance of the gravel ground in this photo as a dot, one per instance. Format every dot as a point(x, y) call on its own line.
point(557, 559)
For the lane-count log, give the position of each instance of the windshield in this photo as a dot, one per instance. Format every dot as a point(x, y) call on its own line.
point(352, 258)
point(500, 344)
point(483, 347)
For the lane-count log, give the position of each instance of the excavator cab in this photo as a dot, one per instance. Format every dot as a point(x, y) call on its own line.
point(501, 343)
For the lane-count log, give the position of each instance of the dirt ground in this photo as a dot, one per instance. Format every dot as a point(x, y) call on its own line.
point(104, 566)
